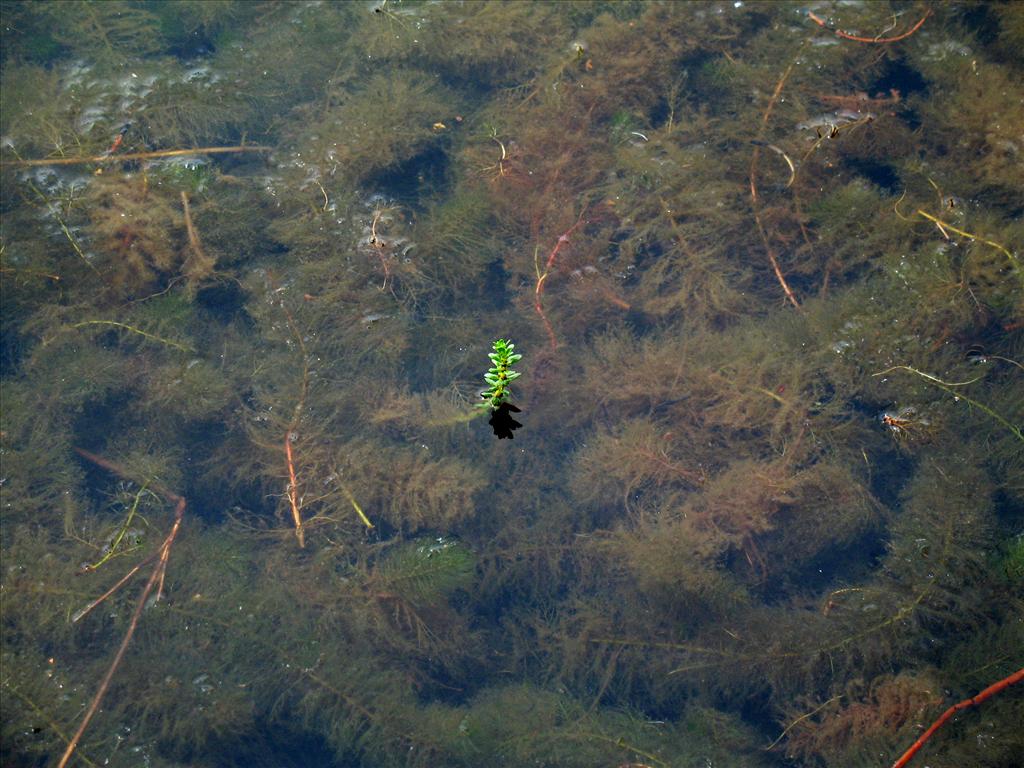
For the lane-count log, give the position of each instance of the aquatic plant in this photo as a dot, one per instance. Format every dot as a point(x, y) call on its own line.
point(111, 33)
point(135, 232)
point(500, 375)
point(710, 227)
point(373, 126)
point(455, 243)
point(425, 571)
point(863, 722)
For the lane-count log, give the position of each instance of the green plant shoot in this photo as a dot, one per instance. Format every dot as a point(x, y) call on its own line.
point(500, 375)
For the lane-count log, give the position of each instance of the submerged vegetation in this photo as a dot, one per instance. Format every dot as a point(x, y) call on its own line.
point(766, 259)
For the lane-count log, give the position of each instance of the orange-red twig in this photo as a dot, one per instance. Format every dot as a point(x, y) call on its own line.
point(156, 579)
point(755, 201)
point(290, 433)
point(538, 289)
point(293, 490)
point(992, 690)
point(81, 613)
point(193, 234)
point(847, 36)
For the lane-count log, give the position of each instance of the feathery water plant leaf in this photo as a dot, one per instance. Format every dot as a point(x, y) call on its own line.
point(426, 571)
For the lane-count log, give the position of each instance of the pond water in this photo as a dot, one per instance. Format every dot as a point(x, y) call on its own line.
point(753, 494)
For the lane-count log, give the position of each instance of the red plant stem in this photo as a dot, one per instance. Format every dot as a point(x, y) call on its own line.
point(540, 311)
point(992, 690)
point(755, 202)
point(847, 36)
point(156, 577)
point(538, 289)
point(293, 490)
point(290, 433)
point(83, 612)
point(563, 239)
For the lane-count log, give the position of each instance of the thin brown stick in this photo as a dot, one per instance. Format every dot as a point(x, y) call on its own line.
point(755, 200)
point(33, 272)
point(293, 490)
point(81, 613)
point(137, 156)
point(156, 577)
point(193, 236)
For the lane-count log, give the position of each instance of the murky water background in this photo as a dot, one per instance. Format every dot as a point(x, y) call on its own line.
point(762, 263)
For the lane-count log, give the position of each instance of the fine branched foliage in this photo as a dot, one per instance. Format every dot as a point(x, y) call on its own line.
point(424, 572)
point(764, 270)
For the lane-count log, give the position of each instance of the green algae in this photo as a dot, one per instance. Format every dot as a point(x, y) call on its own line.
point(733, 531)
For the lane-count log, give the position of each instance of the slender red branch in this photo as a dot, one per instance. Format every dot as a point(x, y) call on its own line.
point(293, 490)
point(291, 432)
point(847, 36)
point(540, 311)
point(755, 200)
point(563, 239)
point(83, 612)
point(538, 289)
point(992, 690)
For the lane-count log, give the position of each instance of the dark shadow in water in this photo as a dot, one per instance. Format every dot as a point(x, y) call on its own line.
point(502, 421)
